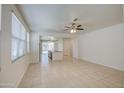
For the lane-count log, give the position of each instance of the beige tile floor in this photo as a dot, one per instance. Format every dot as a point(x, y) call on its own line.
point(71, 73)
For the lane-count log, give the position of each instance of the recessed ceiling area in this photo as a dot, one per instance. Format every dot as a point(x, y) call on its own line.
point(54, 17)
point(48, 38)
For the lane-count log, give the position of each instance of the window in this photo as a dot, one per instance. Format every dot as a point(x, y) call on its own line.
point(19, 40)
point(28, 42)
point(48, 46)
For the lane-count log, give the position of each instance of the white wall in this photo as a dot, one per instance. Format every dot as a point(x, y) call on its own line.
point(0, 16)
point(11, 73)
point(0, 35)
point(105, 46)
point(123, 21)
point(75, 47)
point(35, 45)
point(123, 12)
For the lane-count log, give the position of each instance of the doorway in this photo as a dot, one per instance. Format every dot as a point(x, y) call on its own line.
point(67, 47)
point(45, 47)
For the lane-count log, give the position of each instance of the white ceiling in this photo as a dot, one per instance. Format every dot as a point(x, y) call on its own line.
point(53, 18)
point(49, 38)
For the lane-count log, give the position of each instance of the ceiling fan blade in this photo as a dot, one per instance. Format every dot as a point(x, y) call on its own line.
point(79, 25)
point(67, 26)
point(65, 29)
point(73, 23)
point(75, 19)
point(79, 29)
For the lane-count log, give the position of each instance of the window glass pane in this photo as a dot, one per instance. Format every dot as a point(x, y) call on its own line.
point(16, 28)
point(51, 46)
point(28, 48)
point(21, 48)
point(23, 33)
point(14, 50)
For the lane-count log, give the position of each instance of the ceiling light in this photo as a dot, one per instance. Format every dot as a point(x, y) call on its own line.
point(72, 31)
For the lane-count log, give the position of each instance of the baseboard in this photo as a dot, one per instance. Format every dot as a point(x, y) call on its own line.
point(83, 59)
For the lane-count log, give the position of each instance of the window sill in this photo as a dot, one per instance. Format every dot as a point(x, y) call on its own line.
point(13, 61)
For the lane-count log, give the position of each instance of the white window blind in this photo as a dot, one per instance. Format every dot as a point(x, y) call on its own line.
point(19, 40)
point(28, 42)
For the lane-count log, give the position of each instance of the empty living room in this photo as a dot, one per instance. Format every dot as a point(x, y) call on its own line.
point(61, 45)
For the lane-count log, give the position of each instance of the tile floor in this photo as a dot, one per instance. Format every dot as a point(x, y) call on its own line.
point(71, 73)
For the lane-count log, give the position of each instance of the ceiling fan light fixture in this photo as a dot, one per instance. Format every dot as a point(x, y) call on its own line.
point(74, 27)
point(72, 31)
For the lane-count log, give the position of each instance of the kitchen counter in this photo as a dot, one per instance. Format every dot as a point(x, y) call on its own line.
point(55, 55)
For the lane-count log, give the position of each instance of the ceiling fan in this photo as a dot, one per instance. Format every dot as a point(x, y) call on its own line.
point(74, 26)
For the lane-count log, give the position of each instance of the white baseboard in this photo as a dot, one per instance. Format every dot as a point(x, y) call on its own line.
point(84, 59)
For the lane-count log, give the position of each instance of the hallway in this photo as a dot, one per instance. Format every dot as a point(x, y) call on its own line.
point(71, 73)
point(44, 58)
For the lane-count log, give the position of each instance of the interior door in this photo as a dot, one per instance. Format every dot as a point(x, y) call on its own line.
point(67, 47)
